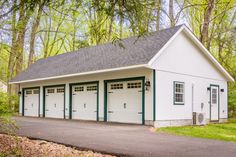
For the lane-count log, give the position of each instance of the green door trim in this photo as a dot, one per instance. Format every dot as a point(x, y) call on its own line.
point(52, 86)
point(214, 85)
point(227, 108)
point(154, 95)
point(23, 99)
point(142, 78)
point(83, 83)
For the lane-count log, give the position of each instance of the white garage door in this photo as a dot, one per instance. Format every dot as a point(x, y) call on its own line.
point(124, 102)
point(84, 102)
point(54, 102)
point(31, 102)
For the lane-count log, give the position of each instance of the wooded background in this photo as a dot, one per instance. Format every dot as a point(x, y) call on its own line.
point(34, 29)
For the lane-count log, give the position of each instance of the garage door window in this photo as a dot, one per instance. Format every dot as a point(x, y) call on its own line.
point(178, 93)
point(50, 90)
point(91, 88)
point(79, 89)
point(36, 91)
point(29, 92)
point(134, 85)
point(60, 90)
point(117, 86)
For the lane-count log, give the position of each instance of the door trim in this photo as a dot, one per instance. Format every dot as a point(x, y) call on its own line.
point(154, 94)
point(214, 85)
point(142, 78)
point(23, 99)
point(70, 95)
point(51, 86)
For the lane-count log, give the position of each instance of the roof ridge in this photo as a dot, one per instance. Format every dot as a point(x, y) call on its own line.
point(111, 42)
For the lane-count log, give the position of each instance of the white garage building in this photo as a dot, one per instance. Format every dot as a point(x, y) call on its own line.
point(165, 78)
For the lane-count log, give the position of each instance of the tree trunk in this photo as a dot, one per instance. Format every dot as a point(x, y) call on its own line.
point(33, 34)
point(121, 21)
point(158, 16)
point(171, 13)
point(206, 21)
point(21, 25)
point(12, 53)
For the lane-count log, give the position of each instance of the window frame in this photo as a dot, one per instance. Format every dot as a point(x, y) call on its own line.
point(174, 93)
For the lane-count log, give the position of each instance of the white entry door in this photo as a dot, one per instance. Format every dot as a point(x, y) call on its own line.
point(31, 102)
point(54, 102)
point(124, 102)
point(84, 102)
point(214, 108)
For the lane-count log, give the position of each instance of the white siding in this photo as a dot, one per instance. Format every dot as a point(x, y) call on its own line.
point(165, 108)
point(182, 61)
point(98, 77)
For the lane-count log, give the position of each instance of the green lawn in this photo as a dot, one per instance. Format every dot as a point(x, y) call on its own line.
point(226, 131)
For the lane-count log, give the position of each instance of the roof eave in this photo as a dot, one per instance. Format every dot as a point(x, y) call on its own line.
point(84, 73)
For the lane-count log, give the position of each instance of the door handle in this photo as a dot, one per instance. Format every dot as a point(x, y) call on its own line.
point(140, 112)
point(124, 105)
point(46, 110)
point(84, 105)
point(74, 110)
point(110, 111)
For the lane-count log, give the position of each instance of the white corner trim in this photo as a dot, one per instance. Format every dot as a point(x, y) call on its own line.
point(200, 45)
point(84, 73)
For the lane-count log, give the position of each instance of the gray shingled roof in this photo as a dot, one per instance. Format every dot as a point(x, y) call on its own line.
point(134, 51)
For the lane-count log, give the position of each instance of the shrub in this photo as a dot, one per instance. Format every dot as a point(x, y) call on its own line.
point(7, 125)
point(232, 103)
point(5, 107)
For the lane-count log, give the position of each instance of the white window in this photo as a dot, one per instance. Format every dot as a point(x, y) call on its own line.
point(178, 93)
point(60, 90)
point(50, 90)
point(91, 88)
point(36, 91)
point(134, 85)
point(79, 89)
point(117, 86)
point(214, 96)
point(29, 92)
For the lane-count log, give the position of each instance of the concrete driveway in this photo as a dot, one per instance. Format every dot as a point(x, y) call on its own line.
point(121, 139)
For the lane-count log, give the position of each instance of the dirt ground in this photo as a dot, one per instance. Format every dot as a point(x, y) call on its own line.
point(22, 146)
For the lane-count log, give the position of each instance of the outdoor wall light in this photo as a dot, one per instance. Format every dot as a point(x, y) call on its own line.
point(147, 85)
point(208, 88)
point(19, 93)
point(222, 90)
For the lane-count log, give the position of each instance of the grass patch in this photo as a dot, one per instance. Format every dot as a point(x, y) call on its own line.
point(225, 131)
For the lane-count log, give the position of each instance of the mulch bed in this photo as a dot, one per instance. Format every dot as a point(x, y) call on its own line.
point(22, 146)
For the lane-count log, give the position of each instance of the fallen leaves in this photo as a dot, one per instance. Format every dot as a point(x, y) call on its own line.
point(22, 146)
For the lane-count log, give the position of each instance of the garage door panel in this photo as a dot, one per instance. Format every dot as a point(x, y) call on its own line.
point(54, 102)
point(124, 102)
point(84, 102)
point(31, 102)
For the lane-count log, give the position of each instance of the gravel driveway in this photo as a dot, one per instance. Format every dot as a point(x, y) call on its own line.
point(121, 139)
